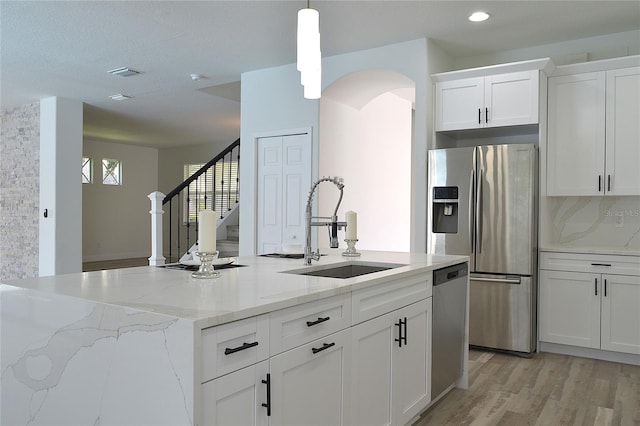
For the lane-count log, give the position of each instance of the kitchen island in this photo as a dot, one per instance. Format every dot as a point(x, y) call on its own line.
point(153, 345)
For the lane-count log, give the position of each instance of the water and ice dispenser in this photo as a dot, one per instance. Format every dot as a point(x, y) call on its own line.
point(445, 210)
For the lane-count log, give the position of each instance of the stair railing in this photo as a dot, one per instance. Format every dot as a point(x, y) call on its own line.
point(215, 186)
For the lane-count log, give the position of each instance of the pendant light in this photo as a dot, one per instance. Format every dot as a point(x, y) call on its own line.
point(309, 56)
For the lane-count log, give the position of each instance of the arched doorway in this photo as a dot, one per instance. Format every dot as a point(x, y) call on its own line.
point(365, 135)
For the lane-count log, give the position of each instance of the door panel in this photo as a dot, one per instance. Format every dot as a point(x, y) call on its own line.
point(284, 177)
point(505, 210)
point(621, 313)
point(451, 168)
point(501, 313)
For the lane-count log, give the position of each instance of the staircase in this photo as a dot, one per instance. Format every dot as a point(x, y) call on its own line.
point(215, 186)
point(228, 247)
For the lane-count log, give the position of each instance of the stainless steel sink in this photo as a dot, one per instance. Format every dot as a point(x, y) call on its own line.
point(344, 270)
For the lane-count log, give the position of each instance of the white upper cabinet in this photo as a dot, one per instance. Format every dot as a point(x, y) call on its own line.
point(594, 133)
point(499, 100)
point(623, 132)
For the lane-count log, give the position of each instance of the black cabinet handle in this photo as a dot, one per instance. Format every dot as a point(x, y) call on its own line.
point(599, 183)
point(609, 183)
point(479, 116)
point(229, 351)
point(402, 332)
point(399, 339)
point(486, 115)
point(601, 264)
point(596, 285)
point(405, 331)
point(325, 346)
point(605, 288)
point(318, 321)
point(267, 405)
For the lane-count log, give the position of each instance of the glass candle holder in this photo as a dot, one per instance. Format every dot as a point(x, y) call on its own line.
point(351, 249)
point(206, 269)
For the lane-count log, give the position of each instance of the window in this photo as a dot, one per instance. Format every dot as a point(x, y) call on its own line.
point(111, 172)
point(195, 198)
point(87, 170)
point(198, 197)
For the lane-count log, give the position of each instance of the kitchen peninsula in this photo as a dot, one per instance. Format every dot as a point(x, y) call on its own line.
point(153, 345)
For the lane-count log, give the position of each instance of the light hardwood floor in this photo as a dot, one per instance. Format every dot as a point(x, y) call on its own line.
point(114, 264)
point(547, 389)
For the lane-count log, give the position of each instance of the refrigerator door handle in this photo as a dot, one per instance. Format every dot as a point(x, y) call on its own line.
point(479, 214)
point(496, 280)
point(472, 185)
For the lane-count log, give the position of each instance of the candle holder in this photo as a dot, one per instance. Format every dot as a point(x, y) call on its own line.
point(351, 249)
point(206, 269)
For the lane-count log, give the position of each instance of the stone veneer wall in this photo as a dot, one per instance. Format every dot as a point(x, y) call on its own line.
point(19, 191)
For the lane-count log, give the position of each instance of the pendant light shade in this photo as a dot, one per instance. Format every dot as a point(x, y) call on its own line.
point(309, 57)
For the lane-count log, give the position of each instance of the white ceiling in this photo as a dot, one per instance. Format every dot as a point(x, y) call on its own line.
point(65, 48)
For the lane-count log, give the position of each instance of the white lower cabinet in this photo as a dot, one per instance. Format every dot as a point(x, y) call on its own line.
point(309, 385)
point(599, 310)
point(389, 372)
point(621, 314)
point(320, 369)
point(239, 398)
point(570, 308)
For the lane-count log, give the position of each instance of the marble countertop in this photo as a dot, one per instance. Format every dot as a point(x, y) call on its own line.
point(592, 250)
point(242, 292)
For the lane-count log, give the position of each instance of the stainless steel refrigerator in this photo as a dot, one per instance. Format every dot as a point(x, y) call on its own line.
point(482, 203)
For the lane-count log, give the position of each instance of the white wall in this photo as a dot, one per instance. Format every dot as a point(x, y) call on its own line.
point(272, 100)
point(60, 233)
point(601, 47)
point(116, 223)
point(371, 149)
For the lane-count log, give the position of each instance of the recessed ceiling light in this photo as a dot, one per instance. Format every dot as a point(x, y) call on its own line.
point(479, 16)
point(120, 97)
point(196, 77)
point(123, 72)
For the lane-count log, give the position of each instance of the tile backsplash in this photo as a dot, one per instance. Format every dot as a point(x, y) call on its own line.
point(608, 222)
point(19, 191)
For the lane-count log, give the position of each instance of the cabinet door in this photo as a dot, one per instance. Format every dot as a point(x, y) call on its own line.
point(623, 131)
point(511, 99)
point(621, 313)
point(411, 362)
point(390, 370)
point(310, 384)
point(459, 104)
point(237, 398)
point(570, 308)
point(575, 154)
point(371, 376)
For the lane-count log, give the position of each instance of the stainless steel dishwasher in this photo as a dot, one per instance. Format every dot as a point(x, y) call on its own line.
point(449, 316)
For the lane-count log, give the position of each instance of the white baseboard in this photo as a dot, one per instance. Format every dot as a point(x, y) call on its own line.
point(620, 357)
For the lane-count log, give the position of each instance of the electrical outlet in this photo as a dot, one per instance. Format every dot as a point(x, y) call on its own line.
point(619, 221)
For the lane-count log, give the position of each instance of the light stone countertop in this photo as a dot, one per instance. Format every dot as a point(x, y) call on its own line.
point(257, 288)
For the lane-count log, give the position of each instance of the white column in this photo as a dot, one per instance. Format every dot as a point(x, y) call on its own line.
point(156, 228)
point(60, 231)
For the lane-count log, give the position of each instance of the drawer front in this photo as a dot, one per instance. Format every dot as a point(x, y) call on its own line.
point(378, 300)
point(301, 324)
point(596, 263)
point(230, 347)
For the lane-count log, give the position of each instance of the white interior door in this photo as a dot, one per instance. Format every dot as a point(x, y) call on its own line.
point(284, 179)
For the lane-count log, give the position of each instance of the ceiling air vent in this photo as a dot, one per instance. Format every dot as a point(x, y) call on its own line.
point(124, 72)
point(120, 97)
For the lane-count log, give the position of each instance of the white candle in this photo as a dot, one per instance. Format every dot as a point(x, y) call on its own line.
point(207, 222)
point(352, 225)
